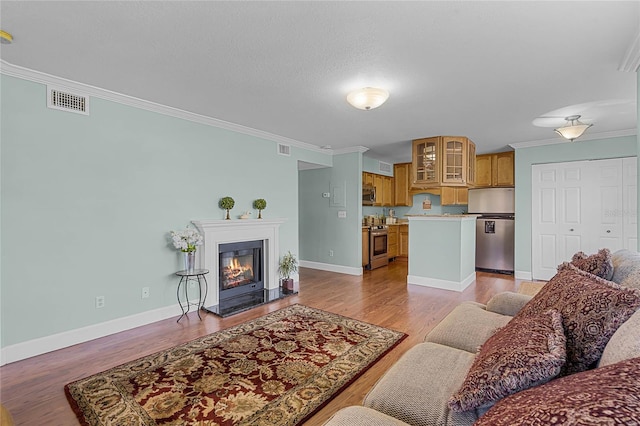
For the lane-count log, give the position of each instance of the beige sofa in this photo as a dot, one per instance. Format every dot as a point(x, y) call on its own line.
point(416, 389)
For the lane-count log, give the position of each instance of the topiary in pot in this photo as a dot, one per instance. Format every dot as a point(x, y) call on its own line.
point(260, 204)
point(227, 203)
point(288, 265)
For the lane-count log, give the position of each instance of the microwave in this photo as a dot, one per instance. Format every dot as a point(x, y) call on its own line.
point(368, 194)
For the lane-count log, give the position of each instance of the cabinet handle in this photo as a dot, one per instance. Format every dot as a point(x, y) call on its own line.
point(571, 229)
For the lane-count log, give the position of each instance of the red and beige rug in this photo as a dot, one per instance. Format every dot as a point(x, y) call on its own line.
point(278, 369)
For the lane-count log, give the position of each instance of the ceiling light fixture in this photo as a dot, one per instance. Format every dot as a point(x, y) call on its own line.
point(368, 98)
point(574, 129)
point(5, 37)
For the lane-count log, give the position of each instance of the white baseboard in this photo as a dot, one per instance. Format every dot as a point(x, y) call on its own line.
point(65, 339)
point(443, 284)
point(523, 275)
point(331, 268)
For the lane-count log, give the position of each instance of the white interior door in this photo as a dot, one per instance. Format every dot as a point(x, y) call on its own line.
point(581, 206)
point(630, 200)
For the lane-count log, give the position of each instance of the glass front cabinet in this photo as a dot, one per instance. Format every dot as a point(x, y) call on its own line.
point(443, 161)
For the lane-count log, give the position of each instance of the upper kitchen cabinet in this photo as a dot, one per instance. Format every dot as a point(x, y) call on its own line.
point(443, 161)
point(495, 170)
point(384, 188)
point(402, 180)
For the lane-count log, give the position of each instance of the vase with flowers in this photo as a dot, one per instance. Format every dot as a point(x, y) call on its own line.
point(187, 241)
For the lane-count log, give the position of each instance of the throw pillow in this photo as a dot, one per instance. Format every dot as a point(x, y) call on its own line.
point(592, 309)
point(524, 353)
point(607, 395)
point(599, 264)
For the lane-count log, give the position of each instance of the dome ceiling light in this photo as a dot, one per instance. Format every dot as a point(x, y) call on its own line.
point(573, 129)
point(368, 98)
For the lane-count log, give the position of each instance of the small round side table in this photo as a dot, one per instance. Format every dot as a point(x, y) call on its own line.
point(194, 275)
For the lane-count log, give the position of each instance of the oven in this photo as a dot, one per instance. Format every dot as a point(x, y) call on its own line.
point(378, 246)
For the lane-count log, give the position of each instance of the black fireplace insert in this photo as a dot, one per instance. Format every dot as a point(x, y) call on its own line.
point(241, 269)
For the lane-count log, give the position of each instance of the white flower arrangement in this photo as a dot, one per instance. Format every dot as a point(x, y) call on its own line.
point(186, 240)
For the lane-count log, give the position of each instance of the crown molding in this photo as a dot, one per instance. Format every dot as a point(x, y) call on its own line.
point(590, 137)
point(12, 70)
point(351, 149)
point(631, 60)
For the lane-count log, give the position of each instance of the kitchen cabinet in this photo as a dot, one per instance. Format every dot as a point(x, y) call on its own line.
point(403, 240)
point(402, 182)
point(365, 246)
point(454, 196)
point(443, 161)
point(384, 186)
point(495, 170)
point(392, 241)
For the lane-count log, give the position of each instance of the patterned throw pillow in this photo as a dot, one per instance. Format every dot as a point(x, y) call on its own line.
point(607, 395)
point(592, 309)
point(599, 264)
point(524, 353)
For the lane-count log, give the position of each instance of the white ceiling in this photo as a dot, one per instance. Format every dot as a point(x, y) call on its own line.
point(485, 70)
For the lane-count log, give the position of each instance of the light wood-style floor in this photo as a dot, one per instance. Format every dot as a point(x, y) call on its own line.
point(33, 392)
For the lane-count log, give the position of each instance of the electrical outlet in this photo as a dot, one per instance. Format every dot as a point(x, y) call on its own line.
point(330, 253)
point(145, 292)
point(99, 302)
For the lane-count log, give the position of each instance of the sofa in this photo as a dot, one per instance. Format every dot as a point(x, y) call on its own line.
point(568, 355)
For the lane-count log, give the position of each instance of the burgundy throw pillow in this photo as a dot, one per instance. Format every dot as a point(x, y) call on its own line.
point(524, 353)
point(599, 264)
point(592, 309)
point(605, 396)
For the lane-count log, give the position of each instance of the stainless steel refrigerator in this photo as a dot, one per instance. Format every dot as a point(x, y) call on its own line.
point(494, 227)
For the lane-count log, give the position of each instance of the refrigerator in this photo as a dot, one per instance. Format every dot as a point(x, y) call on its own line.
point(495, 227)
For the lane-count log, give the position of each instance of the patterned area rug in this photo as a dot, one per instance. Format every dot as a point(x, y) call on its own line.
point(278, 369)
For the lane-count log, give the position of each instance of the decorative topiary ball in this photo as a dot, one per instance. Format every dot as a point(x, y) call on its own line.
point(227, 203)
point(260, 204)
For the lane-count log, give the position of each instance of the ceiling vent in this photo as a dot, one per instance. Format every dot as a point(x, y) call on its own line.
point(384, 167)
point(64, 100)
point(284, 149)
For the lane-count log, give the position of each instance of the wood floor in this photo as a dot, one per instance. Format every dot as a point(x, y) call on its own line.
point(32, 389)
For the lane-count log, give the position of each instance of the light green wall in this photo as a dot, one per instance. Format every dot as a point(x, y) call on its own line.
point(372, 165)
point(87, 203)
point(320, 228)
point(525, 157)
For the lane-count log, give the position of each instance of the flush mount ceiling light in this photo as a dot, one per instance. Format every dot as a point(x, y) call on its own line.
point(368, 98)
point(5, 37)
point(574, 128)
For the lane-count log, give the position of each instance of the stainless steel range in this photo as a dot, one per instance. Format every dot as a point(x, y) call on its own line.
point(378, 246)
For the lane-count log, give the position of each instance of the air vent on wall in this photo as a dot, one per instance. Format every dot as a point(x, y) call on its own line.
point(284, 149)
point(384, 167)
point(65, 101)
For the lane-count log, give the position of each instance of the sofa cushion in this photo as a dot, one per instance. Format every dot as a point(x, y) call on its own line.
point(527, 352)
point(624, 344)
point(608, 395)
point(507, 303)
point(467, 327)
point(362, 416)
point(416, 388)
point(592, 309)
point(599, 264)
point(626, 268)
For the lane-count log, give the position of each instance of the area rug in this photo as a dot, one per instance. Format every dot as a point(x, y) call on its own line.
point(278, 369)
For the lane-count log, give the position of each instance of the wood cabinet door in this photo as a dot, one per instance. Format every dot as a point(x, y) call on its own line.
point(403, 244)
point(401, 179)
point(387, 191)
point(484, 170)
point(392, 241)
point(367, 178)
point(454, 160)
point(504, 169)
point(426, 162)
point(378, 184)
point(365, 247)
point(454, 196)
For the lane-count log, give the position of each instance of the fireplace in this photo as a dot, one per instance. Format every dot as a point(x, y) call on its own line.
point(240, 269)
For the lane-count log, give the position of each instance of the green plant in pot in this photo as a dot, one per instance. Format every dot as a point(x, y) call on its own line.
point(260, 204)
point(288, 266)
point(227, 203)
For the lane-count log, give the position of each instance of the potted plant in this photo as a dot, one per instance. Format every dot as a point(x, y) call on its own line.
point(288, 265)
point(227, 203)
point(260, 204)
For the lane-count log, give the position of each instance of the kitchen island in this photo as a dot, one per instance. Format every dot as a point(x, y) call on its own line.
point(442, 251)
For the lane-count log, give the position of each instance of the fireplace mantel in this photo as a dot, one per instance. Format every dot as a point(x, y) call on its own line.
point(218, 232)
